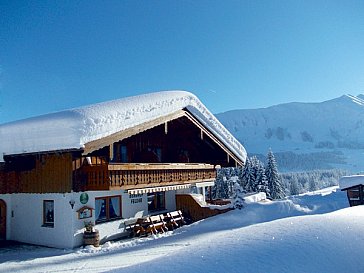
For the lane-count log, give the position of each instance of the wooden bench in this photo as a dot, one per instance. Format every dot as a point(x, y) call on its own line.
point(157, 224)
point(131, 224)
point(175, 219)
point(149, 225)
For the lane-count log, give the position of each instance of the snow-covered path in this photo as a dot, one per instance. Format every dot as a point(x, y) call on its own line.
point(307, 242)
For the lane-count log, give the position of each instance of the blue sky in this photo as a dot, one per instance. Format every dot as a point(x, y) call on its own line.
point(56, 55)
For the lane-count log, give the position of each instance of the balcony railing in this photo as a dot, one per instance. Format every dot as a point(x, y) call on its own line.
point(135, 176)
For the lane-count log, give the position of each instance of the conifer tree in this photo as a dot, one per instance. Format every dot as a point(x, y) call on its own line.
point(240, 174)
point(312, 184)
point(245, 178)
point(293, 186)
point(220, 189)
point(261, 180)
point(275, 185)
point(238, 196)
point(251, 174)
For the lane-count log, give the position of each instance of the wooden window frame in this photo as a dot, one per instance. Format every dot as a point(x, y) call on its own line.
point(107, 209)
point(46, 223)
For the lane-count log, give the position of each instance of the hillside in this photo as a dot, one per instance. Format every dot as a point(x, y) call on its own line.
point(315, 232)
point(304, 136)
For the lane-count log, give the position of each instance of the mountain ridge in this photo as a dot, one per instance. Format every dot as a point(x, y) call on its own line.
point(335, 127)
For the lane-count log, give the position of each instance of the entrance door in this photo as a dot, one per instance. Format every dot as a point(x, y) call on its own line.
point(2, 220)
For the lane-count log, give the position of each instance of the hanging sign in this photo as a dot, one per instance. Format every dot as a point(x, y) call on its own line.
point(85, 212)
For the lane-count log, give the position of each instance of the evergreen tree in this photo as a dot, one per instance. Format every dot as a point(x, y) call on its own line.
point(231, 182)
point(261, 180)
point(293, 187)
point(245, 178)
point(220, 189)
point(312, 185)
point(241, 177)
point(251, 174)
point(275, 185)
point(238, 196)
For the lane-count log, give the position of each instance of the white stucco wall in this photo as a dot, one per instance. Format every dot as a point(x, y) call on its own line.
point(25, 220)
point(25, 217)
point(112, 229)
point(7, 199)
point(131, 205)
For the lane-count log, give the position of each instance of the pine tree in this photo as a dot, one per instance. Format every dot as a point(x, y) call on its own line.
point(312, 185)
point(261, 180)
point(275, 185)
point(293, 186)
point(231, 182)
point(238, 196)
point(251, 168)
point(244, 180)
point(240, 174)
point(220, 189)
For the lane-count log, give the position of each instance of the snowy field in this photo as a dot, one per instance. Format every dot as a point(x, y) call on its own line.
point(315, 232)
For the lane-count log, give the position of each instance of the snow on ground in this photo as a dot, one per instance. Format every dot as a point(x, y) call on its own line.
point(314, 232)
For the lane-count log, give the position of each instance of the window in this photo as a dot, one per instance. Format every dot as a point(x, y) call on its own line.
point(354, 194)
point(156, 201)
point(48, 213)
point(123, 154)
point(107, 208)
point(120, 153)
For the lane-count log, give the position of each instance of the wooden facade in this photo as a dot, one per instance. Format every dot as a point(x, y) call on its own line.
point(37, 173)
point(355, 195)
point(171, 151)
point(193, 210)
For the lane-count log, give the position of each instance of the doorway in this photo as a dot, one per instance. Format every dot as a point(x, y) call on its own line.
point(2, 220)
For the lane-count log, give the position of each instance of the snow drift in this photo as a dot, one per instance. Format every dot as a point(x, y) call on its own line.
point(314, 232)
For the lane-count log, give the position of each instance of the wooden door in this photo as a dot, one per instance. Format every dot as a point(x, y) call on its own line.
point(2, 220)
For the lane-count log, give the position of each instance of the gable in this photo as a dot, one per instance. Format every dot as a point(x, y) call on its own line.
point(179, 129)
point(86, 127)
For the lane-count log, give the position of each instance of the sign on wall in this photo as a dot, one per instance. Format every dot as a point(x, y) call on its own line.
point(85, 212)
point(136, 198)
point(84, 198)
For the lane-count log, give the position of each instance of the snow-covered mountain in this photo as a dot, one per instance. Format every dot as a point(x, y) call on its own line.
point(328, 134)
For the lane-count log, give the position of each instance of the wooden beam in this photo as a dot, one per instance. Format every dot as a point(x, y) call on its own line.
point(111, 151)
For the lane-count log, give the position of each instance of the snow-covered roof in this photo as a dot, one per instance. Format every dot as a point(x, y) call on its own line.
point(72, 129)
point(351, 181)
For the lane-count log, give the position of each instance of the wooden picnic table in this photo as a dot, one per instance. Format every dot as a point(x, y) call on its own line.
point(155, 223)
point(142, 226)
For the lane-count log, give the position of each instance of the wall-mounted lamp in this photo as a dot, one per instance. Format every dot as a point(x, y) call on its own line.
point(72, 203)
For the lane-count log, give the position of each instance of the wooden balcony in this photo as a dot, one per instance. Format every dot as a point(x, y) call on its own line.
point(136, 176)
